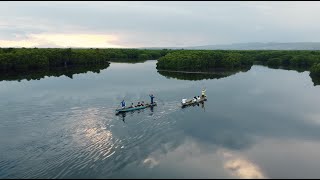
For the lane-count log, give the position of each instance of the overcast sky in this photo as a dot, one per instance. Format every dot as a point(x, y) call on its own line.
point(156, 24)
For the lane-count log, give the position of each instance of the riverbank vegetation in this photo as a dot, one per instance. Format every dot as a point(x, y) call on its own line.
point(315, 74)
point(201, 60)
point(315, 69)
point(26, 59)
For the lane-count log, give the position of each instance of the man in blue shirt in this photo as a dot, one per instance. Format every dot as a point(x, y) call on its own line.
point(123, 104)
point(151, 96)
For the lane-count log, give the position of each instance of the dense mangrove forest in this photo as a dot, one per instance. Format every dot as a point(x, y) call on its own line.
point(204, 60)
point(26, 59)
point(201, 60)
point(315, 70)
point(35, 63)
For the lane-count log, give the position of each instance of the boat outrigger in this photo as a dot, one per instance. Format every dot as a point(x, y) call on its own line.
point(195, 100)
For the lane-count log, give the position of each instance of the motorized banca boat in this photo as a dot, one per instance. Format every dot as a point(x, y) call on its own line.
point(126, 109)
point(193, 101)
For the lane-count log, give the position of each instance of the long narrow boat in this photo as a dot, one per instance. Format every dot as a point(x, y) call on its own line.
point(192, 102)
point(135, 108)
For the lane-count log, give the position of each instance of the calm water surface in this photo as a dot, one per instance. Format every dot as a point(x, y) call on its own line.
point(263, 123)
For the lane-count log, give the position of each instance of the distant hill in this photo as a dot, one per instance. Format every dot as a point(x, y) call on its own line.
point(254, 46)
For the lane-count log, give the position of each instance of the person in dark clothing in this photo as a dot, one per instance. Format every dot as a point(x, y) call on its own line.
point(152, 97)
point(123, 104)
point(195, 99)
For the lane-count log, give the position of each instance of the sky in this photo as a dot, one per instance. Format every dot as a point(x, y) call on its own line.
point(125, 24)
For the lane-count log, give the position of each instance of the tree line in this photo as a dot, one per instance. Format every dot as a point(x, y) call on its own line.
point(201, 60)
point(196, 60)
point(25, 59)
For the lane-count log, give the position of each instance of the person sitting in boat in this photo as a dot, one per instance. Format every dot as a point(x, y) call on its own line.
point(195, 99)
point(198, 98)
point(123, 104)
point(142, 103)
point(139, 104)
point(132, 106)
point(151, 96)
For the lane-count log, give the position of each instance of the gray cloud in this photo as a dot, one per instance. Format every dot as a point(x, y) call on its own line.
point(166, 23)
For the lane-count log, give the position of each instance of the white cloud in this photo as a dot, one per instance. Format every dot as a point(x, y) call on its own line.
point(166, 23)
point(63, 40)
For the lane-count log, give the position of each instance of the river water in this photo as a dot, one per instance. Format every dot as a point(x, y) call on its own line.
point(257, 123)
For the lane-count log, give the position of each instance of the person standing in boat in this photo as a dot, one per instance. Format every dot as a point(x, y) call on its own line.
point(203, 93)
point(123, 104)
point(151, 96)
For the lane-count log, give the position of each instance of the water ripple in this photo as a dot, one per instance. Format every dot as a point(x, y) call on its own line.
point(80, 140)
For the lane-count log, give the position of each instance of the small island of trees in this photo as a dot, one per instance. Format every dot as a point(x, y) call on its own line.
point(204, 60)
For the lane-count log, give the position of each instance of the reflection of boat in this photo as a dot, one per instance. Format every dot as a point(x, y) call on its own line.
point(188, 102)
point(135, 108)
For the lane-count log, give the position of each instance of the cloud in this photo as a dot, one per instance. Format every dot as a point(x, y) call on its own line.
point(241, 167)
point(165, 23)
point(63, 40)
point(150, 162)
point(197, 160)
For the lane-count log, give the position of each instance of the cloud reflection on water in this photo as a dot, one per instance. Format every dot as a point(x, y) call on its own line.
point(197, 160)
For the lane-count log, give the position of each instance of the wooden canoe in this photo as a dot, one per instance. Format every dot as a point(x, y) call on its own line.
point(135, 108)
point(191, 102)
